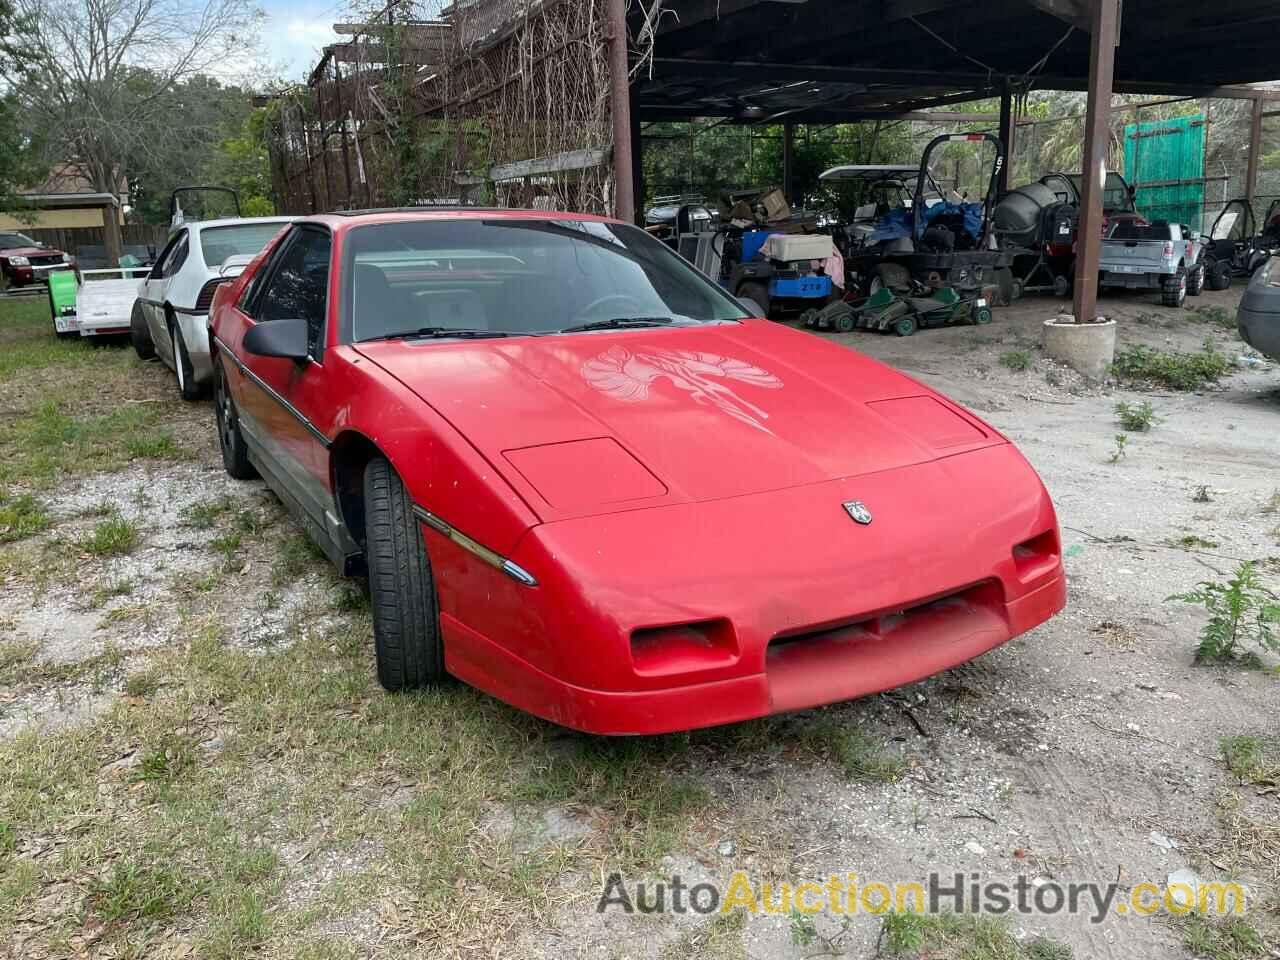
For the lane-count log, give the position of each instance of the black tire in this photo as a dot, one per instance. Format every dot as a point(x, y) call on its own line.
point(1195, 280)
point(1219, 275)
point(187, 386)
point(756, 292)
point(1062, 286)
point(235, 455)
point(406, 630)
point(1173, 291)
point(905, 326)
point(140, 334)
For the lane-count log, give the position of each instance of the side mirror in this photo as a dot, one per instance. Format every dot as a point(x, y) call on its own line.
point(280, 338)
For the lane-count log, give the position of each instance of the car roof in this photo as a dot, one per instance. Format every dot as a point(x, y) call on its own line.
point(345, 219)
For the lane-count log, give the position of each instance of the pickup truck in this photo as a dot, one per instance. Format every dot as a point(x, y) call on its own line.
point(1153, 256)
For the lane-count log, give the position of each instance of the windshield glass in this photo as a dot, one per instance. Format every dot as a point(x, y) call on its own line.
point(515, 276)
point(218, 243)
point(8, 240)
point(1115, 195)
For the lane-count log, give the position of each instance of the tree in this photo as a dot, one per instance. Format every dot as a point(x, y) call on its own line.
point(104, 75)
point(16, 155)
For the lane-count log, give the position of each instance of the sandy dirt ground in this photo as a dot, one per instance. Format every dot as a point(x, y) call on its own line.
point(1085, 751)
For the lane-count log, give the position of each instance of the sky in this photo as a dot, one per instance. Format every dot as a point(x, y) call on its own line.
point(295, 32)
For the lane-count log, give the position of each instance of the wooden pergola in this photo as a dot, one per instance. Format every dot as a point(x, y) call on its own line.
point(829, 61)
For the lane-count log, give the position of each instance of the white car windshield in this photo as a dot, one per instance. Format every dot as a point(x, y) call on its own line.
point(511, 276)
point(218, 243)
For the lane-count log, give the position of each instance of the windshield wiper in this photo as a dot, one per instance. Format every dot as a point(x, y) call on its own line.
point(437, 333)
point(618, 323)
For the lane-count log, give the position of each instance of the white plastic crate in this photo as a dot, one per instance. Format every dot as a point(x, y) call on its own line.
point(798, 246)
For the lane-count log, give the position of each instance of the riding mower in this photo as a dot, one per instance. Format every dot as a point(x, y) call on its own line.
point(885, 310)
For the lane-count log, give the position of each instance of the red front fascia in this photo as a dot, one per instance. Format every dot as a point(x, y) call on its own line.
point(775, 563)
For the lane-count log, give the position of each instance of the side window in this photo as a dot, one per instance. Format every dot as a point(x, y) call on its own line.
point(299, 284)
point(168, 257)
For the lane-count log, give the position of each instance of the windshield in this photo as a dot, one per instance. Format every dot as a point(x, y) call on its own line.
point(218, 243)
point(1115, 195)
point(513, 276)
point(8, 240)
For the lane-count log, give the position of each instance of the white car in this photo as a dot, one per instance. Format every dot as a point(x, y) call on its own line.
point(170, 316)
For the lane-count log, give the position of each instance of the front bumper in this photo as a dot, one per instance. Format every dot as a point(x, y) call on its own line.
point(819, 609)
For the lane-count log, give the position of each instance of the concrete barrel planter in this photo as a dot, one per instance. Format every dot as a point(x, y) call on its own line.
point(1087, 348)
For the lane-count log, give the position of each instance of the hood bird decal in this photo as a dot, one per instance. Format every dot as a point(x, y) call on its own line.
point(628, 376)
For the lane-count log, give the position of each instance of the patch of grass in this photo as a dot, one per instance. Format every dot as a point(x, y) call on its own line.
point(203, 514)
point(105, 592)
point(228, 544)
point(1254, 760)
point(1177, 371)
point(949, 936)
point(1218, 316)
point(142, 683)
point(157, 445)
point(133, 892)
point(8, 839)
point(15, 657)
point(1121, 448)
point(1223, 938)
point(859, 755)
point(112, 537)
point(1136, 417)
point(141, 614)
point(1016, 360)
point(294, 556)
point(166, 760)
point(1192, 542)
point(1241, 611)
point(348, 598)
point(720, 938)
point(21, 517)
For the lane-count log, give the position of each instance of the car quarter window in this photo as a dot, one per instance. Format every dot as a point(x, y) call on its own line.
point(170, 258)
point(298, 284)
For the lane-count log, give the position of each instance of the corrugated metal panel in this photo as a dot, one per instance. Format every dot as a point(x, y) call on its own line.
point(1165, 160)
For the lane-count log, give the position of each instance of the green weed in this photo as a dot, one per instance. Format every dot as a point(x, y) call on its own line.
point(1177, 371)
point(1241, 611)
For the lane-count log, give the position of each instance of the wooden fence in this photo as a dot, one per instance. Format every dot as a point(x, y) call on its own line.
point(71, 239)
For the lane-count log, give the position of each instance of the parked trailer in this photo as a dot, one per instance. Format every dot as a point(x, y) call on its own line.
point(91, 303)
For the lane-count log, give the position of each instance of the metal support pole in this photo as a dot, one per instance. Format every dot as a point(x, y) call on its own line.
point(1103, 22)
point(1255, 151)
point(624, 196)
point(1006, 135)
point(789, 162)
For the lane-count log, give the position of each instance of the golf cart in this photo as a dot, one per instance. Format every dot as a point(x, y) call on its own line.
point(1234, 247)
point(924, 236)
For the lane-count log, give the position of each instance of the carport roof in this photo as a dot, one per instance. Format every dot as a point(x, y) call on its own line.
point(832, 60)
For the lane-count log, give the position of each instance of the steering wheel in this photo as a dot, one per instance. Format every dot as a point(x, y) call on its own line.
point(628, 305)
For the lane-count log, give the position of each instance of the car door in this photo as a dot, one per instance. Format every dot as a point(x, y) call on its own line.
point(279, 399)
point(155, 290)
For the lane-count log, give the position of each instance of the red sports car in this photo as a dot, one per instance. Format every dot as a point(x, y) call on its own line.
point(580, 477)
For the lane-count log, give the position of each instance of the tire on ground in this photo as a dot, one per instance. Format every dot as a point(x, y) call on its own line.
point(187, 386)
point(1173, 291)
point(1195, 280)
point(140, 334)
point(406, 629)
point(235, 454)
point(1219, 275)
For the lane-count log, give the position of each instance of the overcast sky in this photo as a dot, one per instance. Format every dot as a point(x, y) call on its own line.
point(295, 32)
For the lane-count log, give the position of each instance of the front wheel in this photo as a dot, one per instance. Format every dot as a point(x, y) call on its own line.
point(1219, 276)
point(406, 630)
point(1195, 280)
point(235, 455)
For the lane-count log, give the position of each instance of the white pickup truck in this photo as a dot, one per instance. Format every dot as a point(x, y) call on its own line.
point(1153, 256)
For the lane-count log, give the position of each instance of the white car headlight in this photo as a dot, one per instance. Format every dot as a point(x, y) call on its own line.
point(19, 261)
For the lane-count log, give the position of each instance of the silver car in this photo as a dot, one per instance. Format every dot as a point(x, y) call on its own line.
point(170, 316)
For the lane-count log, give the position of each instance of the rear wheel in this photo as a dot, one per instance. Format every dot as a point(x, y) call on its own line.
point(1195, 280)
point(905, 326)
point(982, 315)
point(235, 455)
point(1061, 286)
point(1173, 292)
point(140, 334)
point(1219, 275)
point(406, 630)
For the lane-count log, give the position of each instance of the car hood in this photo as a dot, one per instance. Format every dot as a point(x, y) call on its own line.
point(598, 422)
point(29, 252)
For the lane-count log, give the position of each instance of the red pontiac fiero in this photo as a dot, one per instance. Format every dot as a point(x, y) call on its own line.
point(581, 478)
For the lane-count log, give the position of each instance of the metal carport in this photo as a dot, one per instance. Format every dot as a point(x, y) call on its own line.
point(844, 60)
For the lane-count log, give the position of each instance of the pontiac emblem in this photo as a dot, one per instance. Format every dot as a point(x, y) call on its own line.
point(858, 512)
